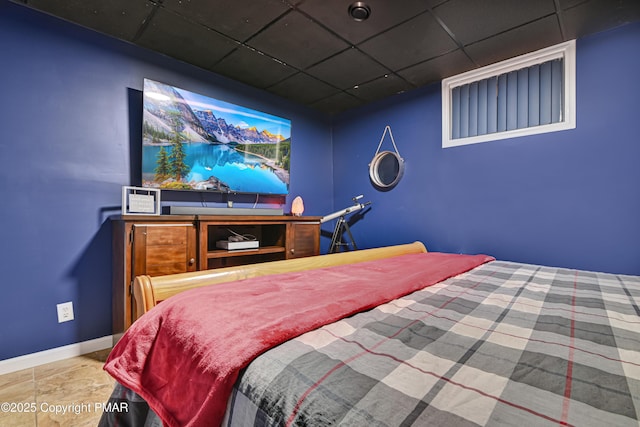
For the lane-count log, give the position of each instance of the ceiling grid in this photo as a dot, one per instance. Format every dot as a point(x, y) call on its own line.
point(314, 53)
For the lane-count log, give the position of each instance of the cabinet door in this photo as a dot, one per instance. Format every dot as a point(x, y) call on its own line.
point(303, 239)
point(163, 249)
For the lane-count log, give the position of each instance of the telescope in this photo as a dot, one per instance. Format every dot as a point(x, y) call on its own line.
point(342, 226)
point(346, 211)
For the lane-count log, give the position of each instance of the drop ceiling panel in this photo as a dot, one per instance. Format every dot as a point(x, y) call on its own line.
point(348, 68)
point(527, 38)
point(248, 66)
point(415, 41)
point(181, 39)
point(436, 69)
point(380, 88)
point(337, 103)
point(119, 18)
point(298, 41)
point(303, 88)
point(565, 4)
point(384, 14)
point(473, 20)
point(598, 15)
point(239, 19)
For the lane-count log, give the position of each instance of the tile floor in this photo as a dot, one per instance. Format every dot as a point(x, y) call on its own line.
point(64, 393)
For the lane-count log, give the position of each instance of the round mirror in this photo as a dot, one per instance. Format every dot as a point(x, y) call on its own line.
point(386, 169)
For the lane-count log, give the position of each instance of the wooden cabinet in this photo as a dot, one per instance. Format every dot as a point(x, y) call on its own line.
point(167, 244)
point(148, 245)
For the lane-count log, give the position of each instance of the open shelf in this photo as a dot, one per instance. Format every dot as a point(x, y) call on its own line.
point(223, 253)
point(280, 237)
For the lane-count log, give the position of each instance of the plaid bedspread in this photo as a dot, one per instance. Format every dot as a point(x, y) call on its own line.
point(504, 344)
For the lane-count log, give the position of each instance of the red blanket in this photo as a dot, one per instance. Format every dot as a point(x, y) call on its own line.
point(184, 356)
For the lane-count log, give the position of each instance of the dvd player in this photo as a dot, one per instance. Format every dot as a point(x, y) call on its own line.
point(241, 245)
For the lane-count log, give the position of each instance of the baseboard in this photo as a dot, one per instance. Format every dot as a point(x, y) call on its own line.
point(53, 355)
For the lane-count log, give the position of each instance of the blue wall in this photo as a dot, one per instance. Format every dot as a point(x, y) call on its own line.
point(568, 198)
point(70, 124)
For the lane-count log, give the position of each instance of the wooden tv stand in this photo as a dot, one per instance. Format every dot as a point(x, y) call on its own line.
point(169, 244)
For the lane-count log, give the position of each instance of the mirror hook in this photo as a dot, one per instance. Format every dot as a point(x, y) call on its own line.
point(388, 129)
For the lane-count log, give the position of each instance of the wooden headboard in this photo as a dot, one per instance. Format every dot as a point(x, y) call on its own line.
point(149, 291)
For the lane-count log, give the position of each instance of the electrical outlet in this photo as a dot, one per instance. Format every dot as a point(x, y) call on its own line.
point(65, 311)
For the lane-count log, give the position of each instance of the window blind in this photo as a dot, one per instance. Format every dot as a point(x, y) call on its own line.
point(518, 99)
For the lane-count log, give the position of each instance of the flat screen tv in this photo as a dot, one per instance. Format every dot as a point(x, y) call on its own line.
point(193, 142)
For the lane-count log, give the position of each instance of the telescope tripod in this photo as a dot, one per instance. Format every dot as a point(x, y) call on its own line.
point(336, 240)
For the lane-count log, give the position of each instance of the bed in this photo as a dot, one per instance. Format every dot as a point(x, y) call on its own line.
point(393, 336)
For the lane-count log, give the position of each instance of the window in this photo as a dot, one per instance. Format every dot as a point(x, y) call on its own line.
point(529, 94)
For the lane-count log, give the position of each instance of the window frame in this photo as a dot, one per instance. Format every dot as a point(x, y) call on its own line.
point(566, 50)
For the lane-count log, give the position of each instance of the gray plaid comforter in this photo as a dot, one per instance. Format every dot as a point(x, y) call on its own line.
point(505, 344)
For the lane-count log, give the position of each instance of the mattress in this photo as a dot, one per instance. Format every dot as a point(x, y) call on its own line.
point(502, 344)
